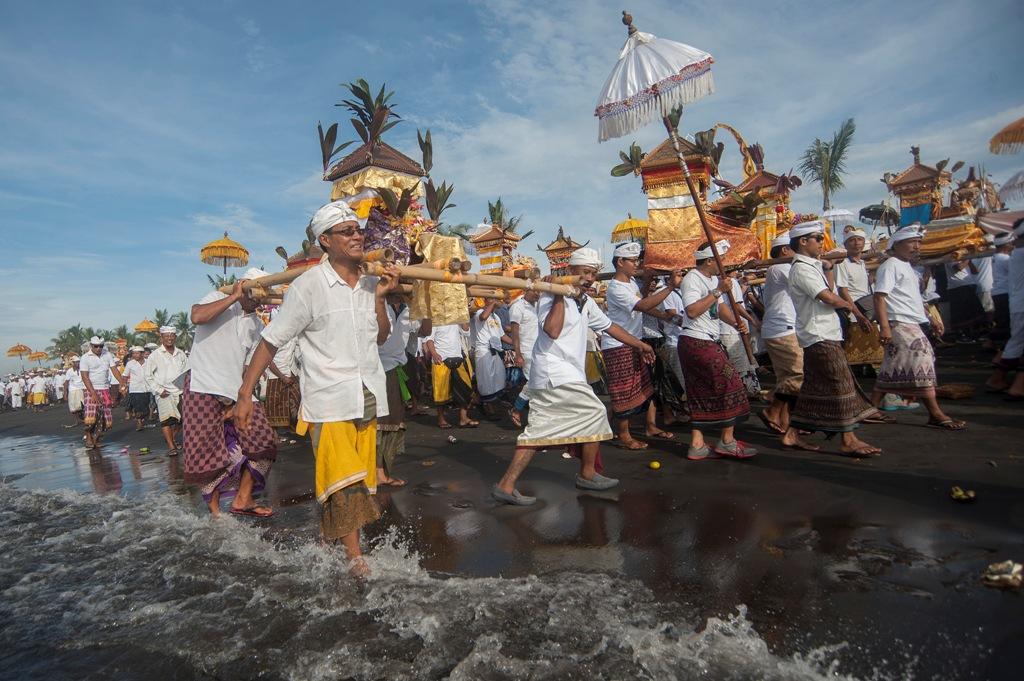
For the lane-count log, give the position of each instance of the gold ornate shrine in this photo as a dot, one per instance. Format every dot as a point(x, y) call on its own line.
point(495, 247)
point(558, 252)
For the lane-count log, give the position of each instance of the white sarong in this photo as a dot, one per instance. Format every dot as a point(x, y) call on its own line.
point(490, 374)
point(167, 407)
point(568, 414)
point(76, 400)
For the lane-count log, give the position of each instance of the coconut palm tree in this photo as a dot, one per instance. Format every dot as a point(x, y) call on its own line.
point(219, 280)
point(825, 162)
point(497, 214)
point(186, 329)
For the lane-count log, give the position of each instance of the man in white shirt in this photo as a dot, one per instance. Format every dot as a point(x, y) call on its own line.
point(222, 460)
point(778, 333)
point(451, 373)
point(630, 382)
point(488, 363)
point(75, 389)
point(37, 395)
point(564, 411)
point(96, 367)
point(137, 404)
point(830, 399)
point(1010, 358)
point(1001, 292)
point(860, 335)
point(164, 370)
point(715, 392)
point(391, 428)
point(523, 324)
point(17, 392)
point(339, 318)
point(908, 367)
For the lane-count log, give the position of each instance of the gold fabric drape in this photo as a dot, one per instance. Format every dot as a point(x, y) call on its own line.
point(442, 303)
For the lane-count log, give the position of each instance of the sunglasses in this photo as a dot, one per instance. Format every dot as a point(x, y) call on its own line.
point(817, 237)
point(348, 231)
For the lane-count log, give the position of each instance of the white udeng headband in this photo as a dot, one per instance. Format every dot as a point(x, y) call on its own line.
point(703, 254)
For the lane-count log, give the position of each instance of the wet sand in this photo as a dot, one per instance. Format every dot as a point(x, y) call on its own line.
point(821, 550)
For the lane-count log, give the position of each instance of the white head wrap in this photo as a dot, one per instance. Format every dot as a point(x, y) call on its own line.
point(913, 231)
point(253, 273)
point(96, 340)
point(151, 346)
point(334, 213)
point(806, 228)
point(171, 329)
point(585, 257)
point(722, 245)
point(630, 249)
point(781, 240)
point(1003, 239)
point(135, 348)
point(850, 233)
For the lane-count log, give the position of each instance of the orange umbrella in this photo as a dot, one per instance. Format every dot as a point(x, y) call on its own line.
point(224, 252)
point(630, 229)
point(146, 326)
point(37, 357)
point(1009, 140)
point(19, 350)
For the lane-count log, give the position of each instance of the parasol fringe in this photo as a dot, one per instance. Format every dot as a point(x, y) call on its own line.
point(621, 118)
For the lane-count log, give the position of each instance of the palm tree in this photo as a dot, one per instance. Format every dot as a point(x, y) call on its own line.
point(67, 340)
point(218, 281)
point(186, 329)
point(497, 214)
point(462, 231)
point(825, 162)
point(122, 331)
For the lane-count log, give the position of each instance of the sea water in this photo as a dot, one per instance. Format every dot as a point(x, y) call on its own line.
point(114, 587)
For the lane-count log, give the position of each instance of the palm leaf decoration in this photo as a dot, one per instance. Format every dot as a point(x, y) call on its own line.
point(327, 149)
point(825, 162)
point(397, 205)
point(630, 161)
point(282, 252)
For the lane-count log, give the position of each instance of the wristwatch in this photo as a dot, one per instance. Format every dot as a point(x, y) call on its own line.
point(716, 293)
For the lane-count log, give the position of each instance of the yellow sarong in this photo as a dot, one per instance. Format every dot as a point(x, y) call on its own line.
point(346, 453)
point(441, 377)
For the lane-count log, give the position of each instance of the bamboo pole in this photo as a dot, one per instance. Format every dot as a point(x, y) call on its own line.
point(427, 274)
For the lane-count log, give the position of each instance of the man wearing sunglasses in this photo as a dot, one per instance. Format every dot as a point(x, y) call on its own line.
point(338, 316)
point(830, 399)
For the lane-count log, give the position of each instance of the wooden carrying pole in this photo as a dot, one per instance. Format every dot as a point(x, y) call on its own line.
point(674, 136)
point(445, 277)
point(379, 255)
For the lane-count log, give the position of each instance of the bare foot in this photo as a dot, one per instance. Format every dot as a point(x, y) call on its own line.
point(358, 568)
point(444, 425)
point(860, 449)
point(632, 445)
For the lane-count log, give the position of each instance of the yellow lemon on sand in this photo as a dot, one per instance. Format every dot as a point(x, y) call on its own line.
point(654, 465)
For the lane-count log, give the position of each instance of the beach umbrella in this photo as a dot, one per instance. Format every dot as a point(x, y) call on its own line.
point(19, 350)
point(224, 252)
point(630, 229)
point(655, 78)
point(37, 357)
point(1013, 189)
point(1009, 140)
point(146, 326)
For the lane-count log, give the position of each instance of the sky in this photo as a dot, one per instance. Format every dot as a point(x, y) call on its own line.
point(137, 132)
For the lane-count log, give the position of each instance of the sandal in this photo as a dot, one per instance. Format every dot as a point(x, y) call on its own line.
point(661, 434)
point(635, 447)
point(947, 424)
point(253, 511)
point(771, 425)
point(865, 451)
point(801, 446)
point(469, 424)
point(879, 417)
point(394, 482)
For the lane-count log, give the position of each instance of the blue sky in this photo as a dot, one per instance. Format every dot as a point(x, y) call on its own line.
point(136, 132)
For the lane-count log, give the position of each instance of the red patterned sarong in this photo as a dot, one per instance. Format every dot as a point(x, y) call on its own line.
point(98, 416)
point(629, 381)
point(715, 392)
point(207, 458)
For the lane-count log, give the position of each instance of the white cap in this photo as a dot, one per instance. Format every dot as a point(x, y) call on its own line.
point(849, 233)
point(806, 228)
point(781, 240)
point(585, 257)
point(630, 249)
point(150, 346)
point(331, 214)
point(96, 340)
point(722, 246)
point(169, 329)
point(1003, 239)
point(912, 231)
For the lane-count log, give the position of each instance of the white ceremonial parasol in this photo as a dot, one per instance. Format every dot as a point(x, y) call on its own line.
point(838, 217)
point(655, 77)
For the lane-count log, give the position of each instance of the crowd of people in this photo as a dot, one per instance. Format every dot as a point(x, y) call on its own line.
point(341, 362)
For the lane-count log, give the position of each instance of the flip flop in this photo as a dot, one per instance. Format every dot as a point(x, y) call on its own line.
point(394, 482)
point(861, 453)
point(880, 418)
point(948, 424)
point(771, 425)
point(637, 446)
point(802, 447)
point(446, 426)
point(469, 424)
point(663, 435)
point(251, 512)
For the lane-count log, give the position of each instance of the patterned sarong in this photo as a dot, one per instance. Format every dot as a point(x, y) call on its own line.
point(737, 351)
point(282, 403)
point(391, 428)
point(715, 393)
point(908, 367)
point(629, 381)
point(453, 381)
point(207, 458)
point(830, 399)
point(98, 416)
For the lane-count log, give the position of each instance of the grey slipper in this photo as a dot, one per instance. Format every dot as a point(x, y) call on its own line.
point(598, 482)
point(516, 499)
point(694, 454)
